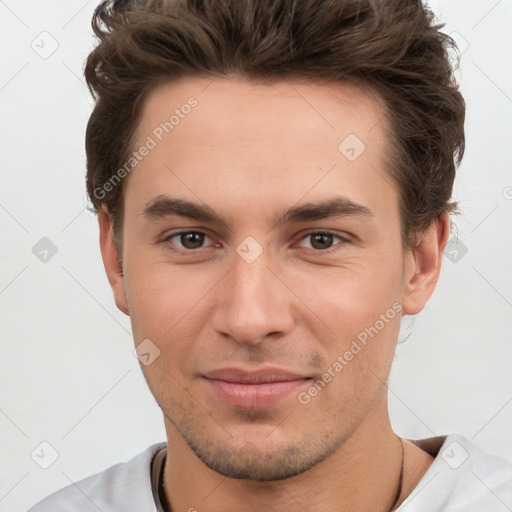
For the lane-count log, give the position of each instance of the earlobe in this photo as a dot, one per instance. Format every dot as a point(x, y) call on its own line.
point(423, 266)
point(111, 260)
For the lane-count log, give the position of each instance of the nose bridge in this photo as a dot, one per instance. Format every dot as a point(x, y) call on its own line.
point(254, 301)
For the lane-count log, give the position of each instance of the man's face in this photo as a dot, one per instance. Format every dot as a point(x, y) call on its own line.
point(250, 312)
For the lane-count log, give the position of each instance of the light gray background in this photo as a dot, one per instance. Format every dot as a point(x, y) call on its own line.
point(68, 373)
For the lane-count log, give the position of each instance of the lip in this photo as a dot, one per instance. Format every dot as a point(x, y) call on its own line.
point(257, 389)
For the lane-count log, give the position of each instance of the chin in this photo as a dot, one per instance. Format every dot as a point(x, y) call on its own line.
point(258, 456)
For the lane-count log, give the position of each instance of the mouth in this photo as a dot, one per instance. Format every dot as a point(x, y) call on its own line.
point(259, 389)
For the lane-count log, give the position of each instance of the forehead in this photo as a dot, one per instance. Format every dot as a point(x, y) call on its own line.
point(241, 108)
point(229, 137)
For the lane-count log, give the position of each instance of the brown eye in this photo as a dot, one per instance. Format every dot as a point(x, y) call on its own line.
point(187, 240)
point(322, 240)
point(192, 240)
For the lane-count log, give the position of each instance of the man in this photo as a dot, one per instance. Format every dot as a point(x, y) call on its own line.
point(272, 181)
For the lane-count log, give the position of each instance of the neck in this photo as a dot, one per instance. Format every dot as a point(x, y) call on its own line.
point(362, 474)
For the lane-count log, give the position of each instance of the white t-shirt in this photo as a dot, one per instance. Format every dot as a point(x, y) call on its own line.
point(462, 478)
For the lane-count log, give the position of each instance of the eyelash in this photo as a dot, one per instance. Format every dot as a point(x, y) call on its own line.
point(335, 247)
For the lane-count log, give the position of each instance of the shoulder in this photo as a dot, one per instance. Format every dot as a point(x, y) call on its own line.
point(462, 478)
point(111, 490)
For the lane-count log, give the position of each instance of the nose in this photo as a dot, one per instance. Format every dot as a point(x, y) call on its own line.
point(253, 302)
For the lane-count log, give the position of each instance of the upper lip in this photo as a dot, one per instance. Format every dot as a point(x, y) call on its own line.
point(258, 376)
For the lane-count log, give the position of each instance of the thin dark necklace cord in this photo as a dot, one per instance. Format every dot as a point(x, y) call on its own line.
point(161, 492)
point(160, 486)
point(400, 478)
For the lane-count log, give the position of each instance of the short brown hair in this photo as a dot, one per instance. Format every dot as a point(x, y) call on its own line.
point(392, 46)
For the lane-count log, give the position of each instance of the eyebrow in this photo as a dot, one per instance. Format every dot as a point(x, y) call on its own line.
point(164, 206)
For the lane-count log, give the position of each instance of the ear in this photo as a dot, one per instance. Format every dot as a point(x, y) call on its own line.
point(423, 266)
point(110, 257)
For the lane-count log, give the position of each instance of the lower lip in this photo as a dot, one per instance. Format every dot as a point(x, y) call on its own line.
point(254, 396)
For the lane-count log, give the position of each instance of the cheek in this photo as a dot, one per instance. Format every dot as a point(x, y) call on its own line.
point(357, 321)
point(351, 297)
point(165, 303)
